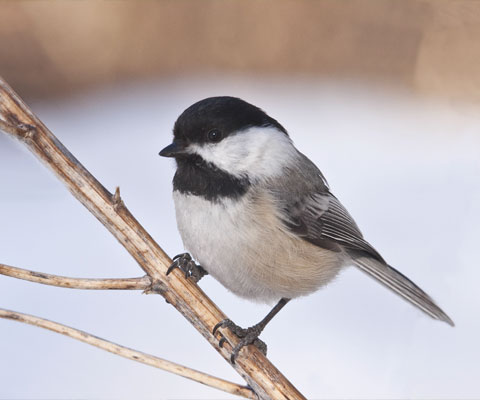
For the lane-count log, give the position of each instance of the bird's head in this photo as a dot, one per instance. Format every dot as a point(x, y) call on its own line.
point(231, 135)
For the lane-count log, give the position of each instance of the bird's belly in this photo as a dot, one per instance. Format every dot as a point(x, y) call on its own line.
point(245, 246)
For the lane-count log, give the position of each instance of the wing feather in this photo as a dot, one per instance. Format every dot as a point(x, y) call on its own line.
point(316, 215)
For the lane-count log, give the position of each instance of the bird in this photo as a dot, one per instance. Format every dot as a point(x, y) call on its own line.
point(259, 216)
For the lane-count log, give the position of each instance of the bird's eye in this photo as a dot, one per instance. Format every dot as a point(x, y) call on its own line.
point(214, 135)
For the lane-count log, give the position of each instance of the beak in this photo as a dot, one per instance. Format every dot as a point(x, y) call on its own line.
point(172, 150)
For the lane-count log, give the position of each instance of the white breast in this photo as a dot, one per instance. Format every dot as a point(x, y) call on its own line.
point(244, 245)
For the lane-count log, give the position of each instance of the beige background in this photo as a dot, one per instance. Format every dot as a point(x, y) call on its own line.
point(430, 47)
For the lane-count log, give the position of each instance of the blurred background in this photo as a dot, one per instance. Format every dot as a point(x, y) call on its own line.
point(382, 95)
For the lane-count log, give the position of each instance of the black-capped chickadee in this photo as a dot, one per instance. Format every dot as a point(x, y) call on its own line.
point(259, 216)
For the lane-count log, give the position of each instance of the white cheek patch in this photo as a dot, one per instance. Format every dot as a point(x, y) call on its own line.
point(256, 152)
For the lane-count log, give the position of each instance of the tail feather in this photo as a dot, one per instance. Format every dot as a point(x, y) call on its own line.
point(402, 286)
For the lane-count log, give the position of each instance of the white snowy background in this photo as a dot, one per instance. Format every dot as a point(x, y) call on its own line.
point(407, 169)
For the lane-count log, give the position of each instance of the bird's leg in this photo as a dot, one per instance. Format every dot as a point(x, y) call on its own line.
point(187, 265)
point(249, 335)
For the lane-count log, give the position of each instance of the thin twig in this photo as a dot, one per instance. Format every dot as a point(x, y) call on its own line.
point(142, 283)
point(181, 293)
point(135, 355)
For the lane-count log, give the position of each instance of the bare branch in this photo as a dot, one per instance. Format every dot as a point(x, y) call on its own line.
point(183, 294)
point(142, 283)
point(134, 355)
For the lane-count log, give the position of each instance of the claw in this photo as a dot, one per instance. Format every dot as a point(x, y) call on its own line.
point(250, 338)
point(247, 336)
point(187, 265)
point(227, 323)
point(171, 268)
point(250, 335)
point(220, 324)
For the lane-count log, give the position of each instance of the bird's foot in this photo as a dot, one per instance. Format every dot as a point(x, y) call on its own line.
point(185, 263)
point(246, 336)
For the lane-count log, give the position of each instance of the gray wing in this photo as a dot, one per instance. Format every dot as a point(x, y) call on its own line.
point(323, 221)
point(314, 214)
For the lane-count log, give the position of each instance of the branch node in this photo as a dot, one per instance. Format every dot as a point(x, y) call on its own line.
point(27, 131)
point(157, 287)
point(117, 200)
point(12, 124)
point(23, 130)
